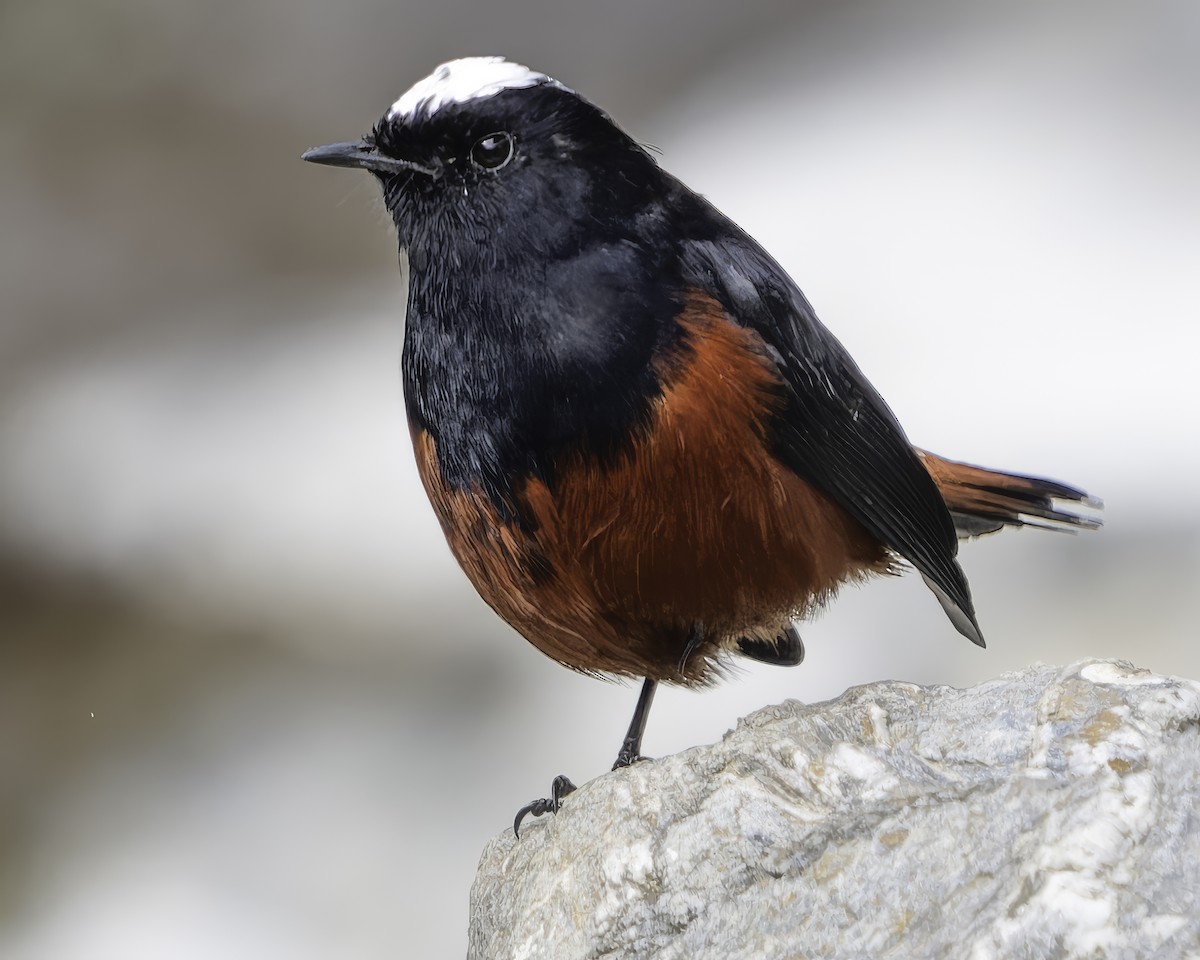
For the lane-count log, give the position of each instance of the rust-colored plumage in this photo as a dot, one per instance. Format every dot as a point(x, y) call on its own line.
point(694, 529)
point(983, 501)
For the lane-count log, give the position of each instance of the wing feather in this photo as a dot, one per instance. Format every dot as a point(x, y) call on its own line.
point(835, 431)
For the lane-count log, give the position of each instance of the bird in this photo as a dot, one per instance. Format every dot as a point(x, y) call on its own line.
point(645, 451)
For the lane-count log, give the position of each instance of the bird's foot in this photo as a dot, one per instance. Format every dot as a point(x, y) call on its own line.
point(631, 746)
point(628, 756)
point(559, 788)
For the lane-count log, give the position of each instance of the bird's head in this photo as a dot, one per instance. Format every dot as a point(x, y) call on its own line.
point(482, 144)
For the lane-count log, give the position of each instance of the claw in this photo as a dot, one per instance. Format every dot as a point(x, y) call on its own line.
point(559, 788)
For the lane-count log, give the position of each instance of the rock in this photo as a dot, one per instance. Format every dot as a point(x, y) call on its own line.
point(1048, 813)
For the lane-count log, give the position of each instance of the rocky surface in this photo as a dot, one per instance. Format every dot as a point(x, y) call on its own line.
point(1048, 813)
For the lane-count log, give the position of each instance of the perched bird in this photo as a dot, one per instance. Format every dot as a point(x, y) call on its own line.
point(644, 449)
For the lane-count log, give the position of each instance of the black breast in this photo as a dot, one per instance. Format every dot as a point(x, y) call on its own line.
point(509, 363)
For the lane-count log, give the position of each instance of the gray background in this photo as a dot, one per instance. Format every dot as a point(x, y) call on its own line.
point(248, 705)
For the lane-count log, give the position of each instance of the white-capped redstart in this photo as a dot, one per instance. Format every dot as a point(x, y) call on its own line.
point(644, 449)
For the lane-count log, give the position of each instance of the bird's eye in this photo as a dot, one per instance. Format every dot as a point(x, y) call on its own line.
point(493, 151)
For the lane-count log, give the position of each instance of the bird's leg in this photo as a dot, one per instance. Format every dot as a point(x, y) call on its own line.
point(631, 752)
point(561, 787)
point(631, 748)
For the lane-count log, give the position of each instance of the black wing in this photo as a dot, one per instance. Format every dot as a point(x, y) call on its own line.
point(836, 432)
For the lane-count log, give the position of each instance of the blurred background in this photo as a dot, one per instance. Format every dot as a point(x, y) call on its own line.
point(249, 707)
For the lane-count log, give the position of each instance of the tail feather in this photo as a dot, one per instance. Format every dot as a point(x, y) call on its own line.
point(984, 501)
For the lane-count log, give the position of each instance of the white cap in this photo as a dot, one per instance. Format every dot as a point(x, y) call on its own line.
point(460, 81)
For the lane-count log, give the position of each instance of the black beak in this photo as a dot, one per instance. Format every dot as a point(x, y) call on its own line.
point(362, 154)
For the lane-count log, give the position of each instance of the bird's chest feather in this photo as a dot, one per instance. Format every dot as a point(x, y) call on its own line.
point(509, 363)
